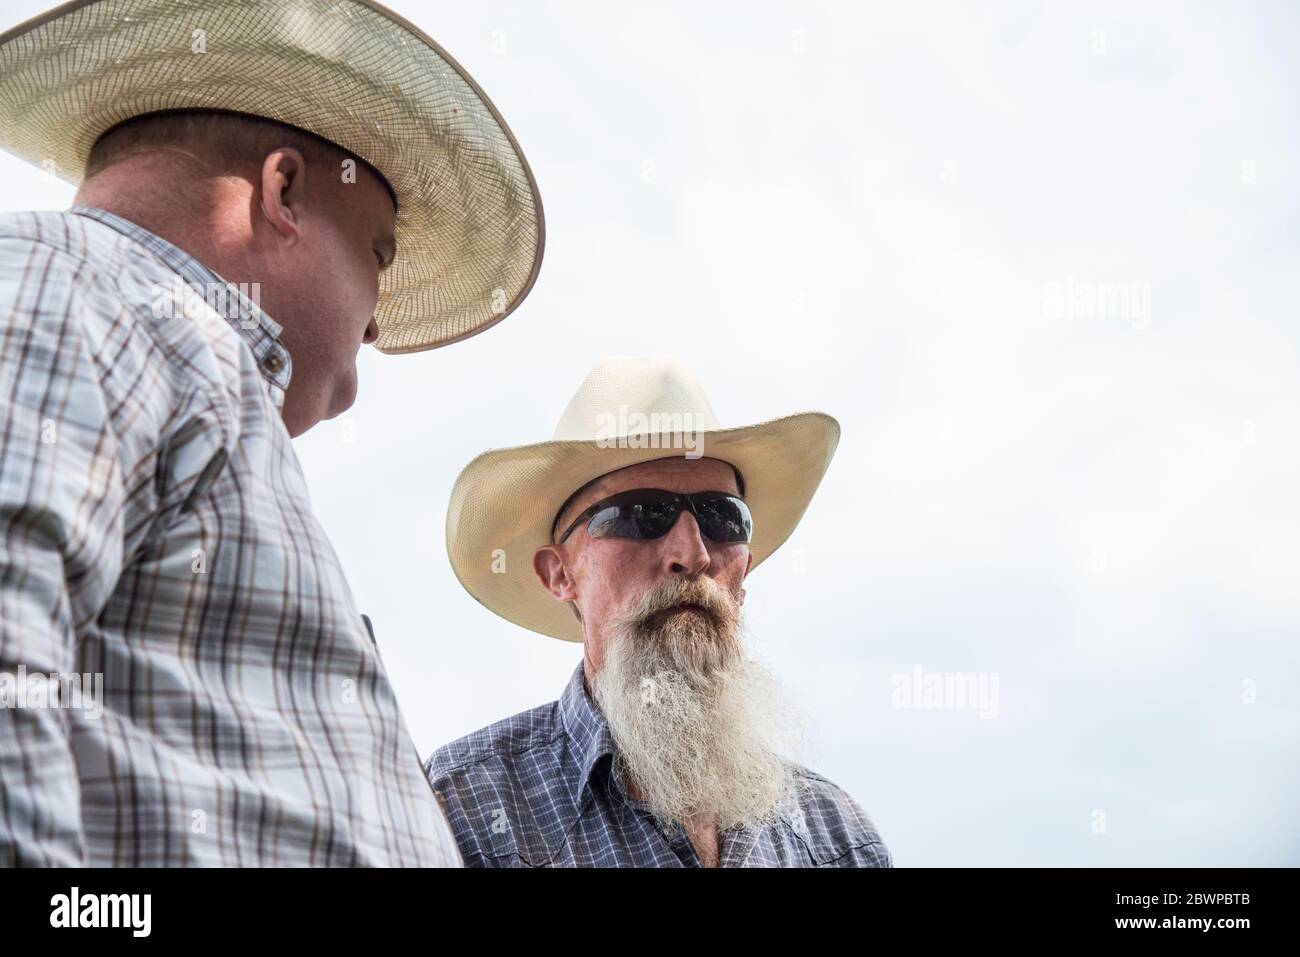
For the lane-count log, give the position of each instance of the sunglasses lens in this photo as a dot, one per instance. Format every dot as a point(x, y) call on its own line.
point(725, 519)
point(648, 513)
point(642, 517)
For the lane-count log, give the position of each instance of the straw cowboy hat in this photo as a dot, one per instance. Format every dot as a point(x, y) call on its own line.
point(627, 410)
point(469, 220)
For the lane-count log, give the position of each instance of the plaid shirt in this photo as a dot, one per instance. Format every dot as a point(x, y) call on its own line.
point(537, 790)
point(155, 530)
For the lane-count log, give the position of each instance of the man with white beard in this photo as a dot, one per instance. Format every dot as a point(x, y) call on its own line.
point(669, 746)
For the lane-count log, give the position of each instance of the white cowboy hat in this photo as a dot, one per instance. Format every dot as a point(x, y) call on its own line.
point(626, 411)
point(469, 221)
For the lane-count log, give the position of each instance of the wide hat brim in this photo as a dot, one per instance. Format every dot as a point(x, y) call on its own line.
point(469, 229)
point(504, 503)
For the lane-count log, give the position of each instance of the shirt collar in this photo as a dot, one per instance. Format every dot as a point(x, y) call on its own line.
point(258, 330)
point(586, 728)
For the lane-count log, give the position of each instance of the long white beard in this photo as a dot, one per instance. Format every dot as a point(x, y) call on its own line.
point(699, 728)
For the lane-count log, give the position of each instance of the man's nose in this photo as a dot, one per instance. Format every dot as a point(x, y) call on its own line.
point(683, 549)
point(372, 332)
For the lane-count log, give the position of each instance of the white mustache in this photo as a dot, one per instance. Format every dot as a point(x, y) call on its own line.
point(671, 592)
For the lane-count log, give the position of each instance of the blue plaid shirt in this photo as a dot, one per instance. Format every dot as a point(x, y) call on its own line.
point(538, 790)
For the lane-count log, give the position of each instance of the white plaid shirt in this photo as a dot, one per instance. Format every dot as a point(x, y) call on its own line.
point(155, 530)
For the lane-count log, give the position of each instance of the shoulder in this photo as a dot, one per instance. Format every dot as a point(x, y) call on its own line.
point(497, 745)
point(53, 228)
point(75, 341)
point(111, 285)
point(77, 303)
point(65, 245)
point(54, 260)
point(833, 826)
point(504, 788)
point(79, 236)
point(64, 275)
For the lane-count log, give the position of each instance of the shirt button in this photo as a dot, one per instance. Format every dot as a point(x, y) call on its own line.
point(273, 362)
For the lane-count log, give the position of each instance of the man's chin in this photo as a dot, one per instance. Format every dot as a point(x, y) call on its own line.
point(345, 394)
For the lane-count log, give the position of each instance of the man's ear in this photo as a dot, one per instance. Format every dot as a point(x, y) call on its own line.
point(553, 573)
point(284, 189)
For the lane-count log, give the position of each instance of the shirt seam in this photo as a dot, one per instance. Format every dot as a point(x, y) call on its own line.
point(487, 756)
point(819, 859)
point(856, 847)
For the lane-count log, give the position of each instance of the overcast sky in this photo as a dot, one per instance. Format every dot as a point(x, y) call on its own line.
point(1040, 261)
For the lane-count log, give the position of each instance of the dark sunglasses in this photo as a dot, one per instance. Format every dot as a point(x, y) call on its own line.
point(646, 513)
